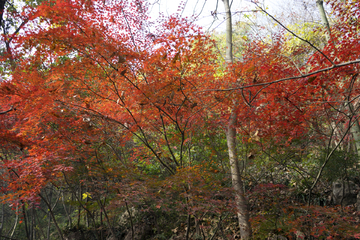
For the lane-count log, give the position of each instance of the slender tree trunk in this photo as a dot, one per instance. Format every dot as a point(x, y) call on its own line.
point(355, 129)
point(228, 32)
point(25, 216)
point(241, 202)
point(49, 216)
point(33, 225)
point(65, 209)
point(324, 19)
point(2, 218)
point(16, 222)
point(50, 210)
point(48, 227)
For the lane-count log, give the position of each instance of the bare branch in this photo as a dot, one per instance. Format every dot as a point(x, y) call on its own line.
point(285, 79)
point(11, 108)
point(295, 35)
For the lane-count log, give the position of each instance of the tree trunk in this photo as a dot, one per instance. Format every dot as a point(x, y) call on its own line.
point(241, 202)
point(355, 129)
point(228, 31)
point(324, 19)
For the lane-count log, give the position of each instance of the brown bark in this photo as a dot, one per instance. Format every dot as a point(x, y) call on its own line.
point(241, 201)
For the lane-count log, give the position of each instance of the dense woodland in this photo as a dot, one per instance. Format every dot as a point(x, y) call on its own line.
point(115, 126)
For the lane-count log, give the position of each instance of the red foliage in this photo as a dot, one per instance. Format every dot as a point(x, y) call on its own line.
point(88, 71)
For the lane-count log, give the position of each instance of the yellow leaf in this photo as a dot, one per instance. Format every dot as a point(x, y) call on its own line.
point(86, 195)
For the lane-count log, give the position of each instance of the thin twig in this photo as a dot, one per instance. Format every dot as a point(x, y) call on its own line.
point(295, 35)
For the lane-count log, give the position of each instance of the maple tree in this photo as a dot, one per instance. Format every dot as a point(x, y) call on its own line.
point(280, 105)
point(110, 117)
point(75, 80)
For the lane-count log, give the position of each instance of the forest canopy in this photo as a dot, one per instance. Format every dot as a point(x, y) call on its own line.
point(117, 126)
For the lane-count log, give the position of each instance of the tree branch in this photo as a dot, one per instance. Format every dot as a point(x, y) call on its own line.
point(11, 108)
point(295, 35)
point(285, 79)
